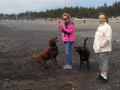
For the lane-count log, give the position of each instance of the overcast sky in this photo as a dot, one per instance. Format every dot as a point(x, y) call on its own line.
point(18, 6)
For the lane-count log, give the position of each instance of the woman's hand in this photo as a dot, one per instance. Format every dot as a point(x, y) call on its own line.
point(60, 26)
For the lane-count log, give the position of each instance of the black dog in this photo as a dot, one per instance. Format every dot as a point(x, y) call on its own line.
point(84, 54)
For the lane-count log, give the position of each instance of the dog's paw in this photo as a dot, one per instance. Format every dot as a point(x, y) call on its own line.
point(57, 66)
point(88, 69)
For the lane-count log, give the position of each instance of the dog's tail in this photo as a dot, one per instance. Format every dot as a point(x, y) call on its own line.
point(85, 42)
point(34, 55)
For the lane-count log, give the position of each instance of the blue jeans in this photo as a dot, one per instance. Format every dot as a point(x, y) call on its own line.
point(68, 51)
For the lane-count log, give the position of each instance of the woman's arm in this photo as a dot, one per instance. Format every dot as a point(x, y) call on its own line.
point(69, 29)
point(107, 39)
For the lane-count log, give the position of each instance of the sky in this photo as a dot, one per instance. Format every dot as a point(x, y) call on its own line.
point(19, 6)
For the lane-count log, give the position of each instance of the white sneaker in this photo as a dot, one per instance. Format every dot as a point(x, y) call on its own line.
point(67, 67)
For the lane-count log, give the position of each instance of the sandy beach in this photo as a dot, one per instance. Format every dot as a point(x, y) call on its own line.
point(87, 29)
point(19, 40)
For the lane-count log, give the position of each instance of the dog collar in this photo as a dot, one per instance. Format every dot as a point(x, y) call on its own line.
point(53, 47)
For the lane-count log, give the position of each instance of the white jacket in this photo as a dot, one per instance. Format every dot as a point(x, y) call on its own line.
point(103, 37)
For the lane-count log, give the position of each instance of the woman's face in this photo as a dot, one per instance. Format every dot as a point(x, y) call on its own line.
point(66, 19)
point(102, 19)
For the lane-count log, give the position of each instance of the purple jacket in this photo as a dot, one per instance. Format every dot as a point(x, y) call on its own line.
point(68, 32)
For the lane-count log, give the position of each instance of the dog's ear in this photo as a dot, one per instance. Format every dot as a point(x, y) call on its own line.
point(50, 42)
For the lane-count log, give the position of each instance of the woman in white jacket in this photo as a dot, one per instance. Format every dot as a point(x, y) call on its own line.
point(102, 45)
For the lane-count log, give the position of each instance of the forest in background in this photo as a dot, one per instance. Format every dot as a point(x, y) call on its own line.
point(78, 12)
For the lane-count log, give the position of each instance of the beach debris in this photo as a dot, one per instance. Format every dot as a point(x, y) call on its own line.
point(115, 40)
point(118, 85)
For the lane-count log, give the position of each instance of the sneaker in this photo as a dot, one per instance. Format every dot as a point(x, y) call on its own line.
point(99, 77)
point(67, 67)
point(103, 80)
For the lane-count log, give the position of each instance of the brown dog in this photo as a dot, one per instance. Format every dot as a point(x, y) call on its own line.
point(50, 53)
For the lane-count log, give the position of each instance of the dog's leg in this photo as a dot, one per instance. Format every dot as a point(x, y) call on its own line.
point(88, 65)
point(80, 63)
point(53, 62)
point(83, 62)
point(42, 62)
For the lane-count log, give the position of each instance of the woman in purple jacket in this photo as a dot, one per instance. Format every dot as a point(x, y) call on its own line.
point(68, 37)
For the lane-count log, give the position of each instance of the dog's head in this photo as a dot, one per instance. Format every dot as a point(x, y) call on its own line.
point(53, 41)
point(78, 49)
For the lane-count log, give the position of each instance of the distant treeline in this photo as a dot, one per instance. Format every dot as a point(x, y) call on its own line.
point(78, 12)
